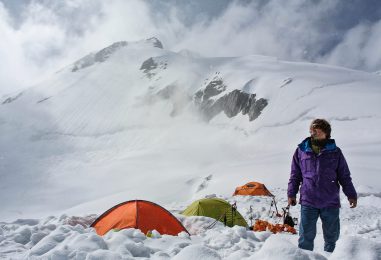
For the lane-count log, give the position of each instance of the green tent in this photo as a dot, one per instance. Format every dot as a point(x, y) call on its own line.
point(218, 209)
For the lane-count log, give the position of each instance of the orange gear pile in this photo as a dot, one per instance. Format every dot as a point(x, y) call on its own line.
point(263, 225)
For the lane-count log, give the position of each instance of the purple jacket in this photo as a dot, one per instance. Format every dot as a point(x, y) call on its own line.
point(320, 176)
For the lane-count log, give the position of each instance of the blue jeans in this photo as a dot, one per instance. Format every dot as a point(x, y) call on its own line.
point(307, 228)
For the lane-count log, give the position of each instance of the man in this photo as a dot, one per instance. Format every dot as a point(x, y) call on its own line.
point(319, 166)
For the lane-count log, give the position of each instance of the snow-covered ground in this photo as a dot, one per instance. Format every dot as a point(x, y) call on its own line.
point(69, 237)
point(97, 133)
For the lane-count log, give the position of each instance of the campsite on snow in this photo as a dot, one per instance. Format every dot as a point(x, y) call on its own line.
point(141, 151)
point(136, 121)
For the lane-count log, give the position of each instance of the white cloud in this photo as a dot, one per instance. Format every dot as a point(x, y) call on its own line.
point(359, 49)
point(46, 39)
point(51, 34)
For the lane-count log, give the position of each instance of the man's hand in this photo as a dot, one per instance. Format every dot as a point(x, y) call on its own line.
point(292, 201)
point(352, 203)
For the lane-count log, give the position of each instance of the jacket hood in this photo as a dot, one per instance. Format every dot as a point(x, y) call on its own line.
point(305, 145)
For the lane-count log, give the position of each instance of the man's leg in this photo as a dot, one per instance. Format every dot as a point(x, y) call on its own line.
point(307, 227)
point(331, 227)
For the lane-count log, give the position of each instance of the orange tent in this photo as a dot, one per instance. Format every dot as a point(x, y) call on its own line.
point(139, 214)
point(253, 189)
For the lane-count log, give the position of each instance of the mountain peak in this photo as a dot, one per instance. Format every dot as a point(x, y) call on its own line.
point(105, 53)
point(99, 56)
point(155, 41)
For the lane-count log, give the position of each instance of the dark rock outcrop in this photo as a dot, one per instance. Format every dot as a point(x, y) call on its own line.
point(42, 100)
point(231, 103)
point(11, 99)
point(100, 56)
point(105, 53)
point(155, 42)
point(148, 66)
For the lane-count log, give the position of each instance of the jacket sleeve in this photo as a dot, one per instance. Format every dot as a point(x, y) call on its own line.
point(344, 177)
point(295, 176)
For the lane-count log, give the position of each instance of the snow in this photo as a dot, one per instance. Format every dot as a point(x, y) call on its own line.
point(356, 248)
point(81, 142)
point(62, 237)
point(197, 252)
point(276, 247)
point(70, 237)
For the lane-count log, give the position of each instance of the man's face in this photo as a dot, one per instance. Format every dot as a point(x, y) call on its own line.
point(318, 134)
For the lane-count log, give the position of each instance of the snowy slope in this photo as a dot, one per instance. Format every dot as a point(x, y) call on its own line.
point(135, 120)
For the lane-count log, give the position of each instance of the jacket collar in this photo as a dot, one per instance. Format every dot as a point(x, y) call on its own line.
point(305, 145)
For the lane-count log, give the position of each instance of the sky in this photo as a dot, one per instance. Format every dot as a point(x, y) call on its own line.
point(39, 37)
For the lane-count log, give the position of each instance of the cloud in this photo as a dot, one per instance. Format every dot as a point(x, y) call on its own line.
point(12, 60)
point(41, 36)
point(37, 45)
point(299, 30)
point(358, 48)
